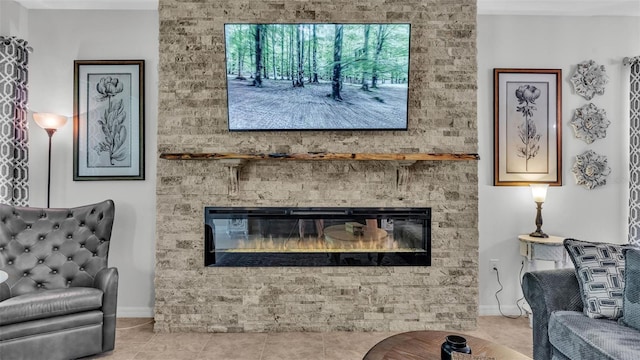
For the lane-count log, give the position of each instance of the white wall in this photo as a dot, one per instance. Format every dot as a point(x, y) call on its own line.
point(13, 19)
point(570, 210)
point(58, 38)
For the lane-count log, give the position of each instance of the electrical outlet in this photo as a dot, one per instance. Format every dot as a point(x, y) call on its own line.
point(493, 264)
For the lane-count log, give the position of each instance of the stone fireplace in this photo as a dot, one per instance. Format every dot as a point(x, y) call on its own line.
point(193, 116)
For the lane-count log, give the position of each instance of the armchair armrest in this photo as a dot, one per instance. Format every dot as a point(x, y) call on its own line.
point(546, 292)
point(107, 281)
point(5, 292)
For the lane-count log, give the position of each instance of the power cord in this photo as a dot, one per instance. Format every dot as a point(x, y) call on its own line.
point(502, 288)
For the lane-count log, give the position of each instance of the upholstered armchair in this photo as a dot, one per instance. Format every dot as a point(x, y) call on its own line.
point(59, 301)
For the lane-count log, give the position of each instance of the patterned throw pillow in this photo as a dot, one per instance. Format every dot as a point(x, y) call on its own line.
point(631, 303)
point(600, 272)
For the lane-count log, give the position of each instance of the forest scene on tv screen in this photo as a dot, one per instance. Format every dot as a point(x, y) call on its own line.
point(317, 76)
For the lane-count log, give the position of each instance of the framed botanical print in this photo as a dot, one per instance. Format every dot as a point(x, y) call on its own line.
point(527, 127)
point(108, 123)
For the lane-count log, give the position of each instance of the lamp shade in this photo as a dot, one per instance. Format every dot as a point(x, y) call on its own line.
point(539, 192)
point(49, 121)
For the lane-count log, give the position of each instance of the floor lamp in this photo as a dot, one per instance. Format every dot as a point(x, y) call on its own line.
point(50, 123)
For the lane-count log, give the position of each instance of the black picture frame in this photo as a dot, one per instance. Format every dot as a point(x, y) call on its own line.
point(108, 121)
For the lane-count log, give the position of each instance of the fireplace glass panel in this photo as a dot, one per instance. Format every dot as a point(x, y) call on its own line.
point(317, 236)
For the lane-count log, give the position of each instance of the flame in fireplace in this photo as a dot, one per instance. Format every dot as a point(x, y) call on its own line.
point(313, 244)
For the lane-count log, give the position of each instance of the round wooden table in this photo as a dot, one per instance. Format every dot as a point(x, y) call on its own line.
point(425, 345)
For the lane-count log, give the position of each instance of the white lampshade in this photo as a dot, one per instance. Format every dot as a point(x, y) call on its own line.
point(539, 192)
point(49, 121)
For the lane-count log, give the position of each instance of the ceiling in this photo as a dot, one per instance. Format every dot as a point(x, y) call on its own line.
point(90, 4)
point(485, 7)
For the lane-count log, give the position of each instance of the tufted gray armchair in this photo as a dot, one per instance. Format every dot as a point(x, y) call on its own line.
point(59, 301)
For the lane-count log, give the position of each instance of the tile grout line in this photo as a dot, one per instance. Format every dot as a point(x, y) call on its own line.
point(264, 345)
point(200, 354)
point(146, 345)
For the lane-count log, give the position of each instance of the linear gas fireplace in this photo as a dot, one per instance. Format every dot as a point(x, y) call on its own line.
point(271, 236)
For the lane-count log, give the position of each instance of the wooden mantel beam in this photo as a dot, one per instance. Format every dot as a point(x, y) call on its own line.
point(323, 156)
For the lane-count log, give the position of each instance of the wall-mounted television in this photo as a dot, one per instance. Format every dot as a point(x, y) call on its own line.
point(315, 76)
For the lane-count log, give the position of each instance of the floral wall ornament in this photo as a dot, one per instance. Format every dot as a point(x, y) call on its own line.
point(590, 123)
point(591, 169)
point(589, 79)
point(527, 95)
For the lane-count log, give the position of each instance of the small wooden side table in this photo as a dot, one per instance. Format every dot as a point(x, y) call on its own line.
point(550, 249)
point(535, 248)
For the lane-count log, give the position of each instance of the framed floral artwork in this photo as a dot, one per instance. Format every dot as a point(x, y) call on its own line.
point(108, 122)
point(527, 127)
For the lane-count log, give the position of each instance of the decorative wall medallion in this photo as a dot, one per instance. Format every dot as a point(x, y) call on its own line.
point(589, 79)
point(590, 123)
point(591, 169)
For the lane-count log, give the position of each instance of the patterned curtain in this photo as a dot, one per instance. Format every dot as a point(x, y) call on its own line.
point(14, 151)
point(634, 150)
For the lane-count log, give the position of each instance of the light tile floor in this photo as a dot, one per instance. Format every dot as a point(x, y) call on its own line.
point(136, 340)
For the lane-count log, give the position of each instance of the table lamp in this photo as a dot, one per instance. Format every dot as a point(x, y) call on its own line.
point(539, 193)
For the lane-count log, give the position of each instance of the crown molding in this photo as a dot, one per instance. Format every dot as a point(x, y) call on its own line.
point(560, 7)
point(485, 7)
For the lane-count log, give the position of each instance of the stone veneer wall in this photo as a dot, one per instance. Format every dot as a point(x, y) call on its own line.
point(193, 117)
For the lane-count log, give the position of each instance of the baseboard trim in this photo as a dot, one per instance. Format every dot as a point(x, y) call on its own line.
point(493, 310)
point(134, 312)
